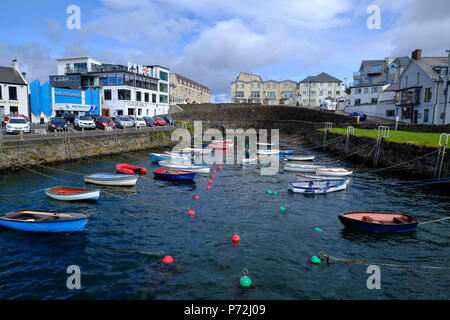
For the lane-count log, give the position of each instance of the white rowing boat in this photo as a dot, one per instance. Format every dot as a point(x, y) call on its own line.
point(299, 158)
point(303, 177)
point(319, 186)
point(109, 179)
point(197, 150)
point(333, 172)
point(249, 160)
point(268, 152)
point(182, 166)
point(301, 167)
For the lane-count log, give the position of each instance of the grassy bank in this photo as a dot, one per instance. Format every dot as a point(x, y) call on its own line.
point(416, 138)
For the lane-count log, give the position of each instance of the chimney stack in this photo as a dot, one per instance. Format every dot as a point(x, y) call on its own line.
point(15, 65)
point(416, 54)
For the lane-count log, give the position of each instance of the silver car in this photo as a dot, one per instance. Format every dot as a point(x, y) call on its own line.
point(85, 122)
point(123, 122)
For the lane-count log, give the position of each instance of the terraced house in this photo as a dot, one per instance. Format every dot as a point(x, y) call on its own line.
point(184, 90)
point(250, 88)
point(13, 91)
point(313, 89)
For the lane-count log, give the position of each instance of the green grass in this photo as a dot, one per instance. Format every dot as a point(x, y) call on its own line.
point(417, 138)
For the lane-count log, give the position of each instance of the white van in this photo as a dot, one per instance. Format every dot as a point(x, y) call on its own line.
point(328, 105)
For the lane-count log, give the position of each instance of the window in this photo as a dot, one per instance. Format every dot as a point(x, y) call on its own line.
point(271, 94)
point(313, 92)
point(321, 93)
point(366, 90)
point(138, 96)
point(427, 95)
point(358, 90)
point(329, 93)
point(13, 110)
point(163, 87)
point(406, 81)
point(375, 90)
point(147, 97)
point(304, 92)
point(123, 94)
point(120, 79)
point(254, 94)
point(242, 86)
point(426, 114)
point(163, 98)
point(154, 97)
point(0, 92)
point(338, 92)
point(374, 100)
point(163, 75)
point(112, 80)
point(120, 112)
point(268, 86)
point(357, 102)
point(12, 93)
point(239, 94)
point(418, 77)
point(107, 94)
point(390, 113)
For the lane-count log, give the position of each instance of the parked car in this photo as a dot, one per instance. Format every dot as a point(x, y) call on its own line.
point(362, 116)
point(123, 122)
point(57, 123)
point(169, 120)
point(17, 124)
point(9, 116)
point(150, 121)
point(102, 122)
point(160, 121)
point(139, 122)
point(85, 122)
point(68, 117)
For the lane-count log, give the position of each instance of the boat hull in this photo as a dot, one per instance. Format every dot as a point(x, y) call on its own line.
point(63, 226)
point(330, 173)
point(112, 180)
point(181, 176)
point(376, 227)
point(193, 168)
point(299, 158)
point(318, 186)
point(86, 195)
point(300, 168)
point(156, 157)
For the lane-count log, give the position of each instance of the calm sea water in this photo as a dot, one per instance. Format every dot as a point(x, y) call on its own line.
point(132, 229)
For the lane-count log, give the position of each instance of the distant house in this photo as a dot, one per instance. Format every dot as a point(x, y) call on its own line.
point(422, 96)
point(313, 89)
point(185, 90)
point(13, 91)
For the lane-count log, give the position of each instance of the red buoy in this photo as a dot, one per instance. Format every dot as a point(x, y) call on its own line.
point(236, 238)
point(191, 212)
point(196, 197)
point(214, 171)
point(220, 167)
point(208, 187)
point(213, 177)
point(210, 181)
point(167, 260)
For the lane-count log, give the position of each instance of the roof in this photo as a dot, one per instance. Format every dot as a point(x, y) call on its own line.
point(402, 61)
point(321, 77)
point(428, 63)
point(179, 76)
point(393, 87)
point(11, 76)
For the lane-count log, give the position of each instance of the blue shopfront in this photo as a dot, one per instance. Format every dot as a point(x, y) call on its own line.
point(47, 102)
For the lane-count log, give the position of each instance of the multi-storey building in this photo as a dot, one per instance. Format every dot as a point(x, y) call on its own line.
point(13, 91)
point(184, 90)
point(250, 88)
point(125, 90)
point(313, 89)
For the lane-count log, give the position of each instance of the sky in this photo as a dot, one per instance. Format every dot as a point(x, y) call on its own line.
point(212, 41)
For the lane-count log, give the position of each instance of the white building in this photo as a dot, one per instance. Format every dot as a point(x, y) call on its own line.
point(125, 90)
point(13, 91)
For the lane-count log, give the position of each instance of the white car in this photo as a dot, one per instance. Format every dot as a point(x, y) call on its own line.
point(140, 122)
point(84, 122)
point(327, 105)
point(17, 125)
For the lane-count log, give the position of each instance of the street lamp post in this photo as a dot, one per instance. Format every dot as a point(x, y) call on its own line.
point(134, 69)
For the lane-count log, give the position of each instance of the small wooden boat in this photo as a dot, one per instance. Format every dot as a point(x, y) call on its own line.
point(187, 167)
point(168, 174)
point(197, 150)
point(378, 221)
point(333, 172)
point(44, 220)
point(299, 158)
point(319, 186)
point(286, 152)
point(268, 152)
point(301, 167)
point(72, 194)
point(109, 179)
point(156, 157)
point(129, 169)
point(302, 177)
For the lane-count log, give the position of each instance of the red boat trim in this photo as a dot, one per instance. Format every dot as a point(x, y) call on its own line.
point(68, 190)
point(386, 218)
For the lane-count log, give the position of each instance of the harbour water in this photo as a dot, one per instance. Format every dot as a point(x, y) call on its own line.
point(132, 229)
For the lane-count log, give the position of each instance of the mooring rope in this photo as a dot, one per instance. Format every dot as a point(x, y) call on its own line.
point(436, 220)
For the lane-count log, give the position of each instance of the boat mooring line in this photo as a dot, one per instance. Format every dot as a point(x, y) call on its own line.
point(436, 220)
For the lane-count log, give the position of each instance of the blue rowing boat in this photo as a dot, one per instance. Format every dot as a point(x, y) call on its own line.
point(378, 221)
point(180, 175)
point(44, 221)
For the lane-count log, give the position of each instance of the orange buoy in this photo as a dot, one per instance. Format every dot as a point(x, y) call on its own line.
point(167, 260)
point(191, 212)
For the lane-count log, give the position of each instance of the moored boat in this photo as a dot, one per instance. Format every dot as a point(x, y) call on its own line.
point(319, 186)
point(197, 150)
point(333, 172)
point(269, 152)
point(187, 167)
point(126, 168)
point(156, 157)
point(44, 220)
point(299, 158)
point(72, 194)
point(286, 152)
point(301, 167)
point(109, 179)
point(378, 221)
point(168, 174)
point(302, 177)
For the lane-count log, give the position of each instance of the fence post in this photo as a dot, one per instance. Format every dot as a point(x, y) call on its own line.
point(383, 132)
point(441, 155)
point(350, 130)
point(328, 126)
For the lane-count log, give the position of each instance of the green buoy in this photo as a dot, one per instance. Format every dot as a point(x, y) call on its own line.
point(269, 192)
point(318, 229)
point(282, 208)
point(245, 280)
point(275, 192)
point(315, 260)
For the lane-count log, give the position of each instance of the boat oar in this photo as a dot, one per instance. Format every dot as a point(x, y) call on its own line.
point(61, 215)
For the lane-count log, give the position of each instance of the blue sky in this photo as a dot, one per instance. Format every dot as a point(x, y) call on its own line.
point(212, 41)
